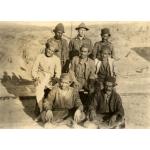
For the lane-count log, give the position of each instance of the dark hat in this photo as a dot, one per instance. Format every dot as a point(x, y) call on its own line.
point(105, 31)
point(111, 79)
point(59, 27)
point(82, 25)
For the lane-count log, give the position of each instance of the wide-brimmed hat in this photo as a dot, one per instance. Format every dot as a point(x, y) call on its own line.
point(59, 27)
point(82, 25)
point(105, 31)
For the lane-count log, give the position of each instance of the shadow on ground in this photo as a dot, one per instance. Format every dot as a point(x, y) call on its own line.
point(143, 52)
point(29, 104)
point(24, 89)
point(17, 86)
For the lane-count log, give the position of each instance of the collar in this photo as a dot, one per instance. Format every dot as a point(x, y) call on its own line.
point(81, 62)
point(77, 37)
point(105, 41)
point(107, 93)
point(57, 39)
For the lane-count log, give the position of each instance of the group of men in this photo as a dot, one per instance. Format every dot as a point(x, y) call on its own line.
point(76, 81)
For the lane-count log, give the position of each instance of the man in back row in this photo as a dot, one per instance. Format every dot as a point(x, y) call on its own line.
point(62, 50)
point(81, 39)
point(105, 35)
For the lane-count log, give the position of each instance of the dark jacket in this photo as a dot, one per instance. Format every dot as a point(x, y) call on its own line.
point(114, 104)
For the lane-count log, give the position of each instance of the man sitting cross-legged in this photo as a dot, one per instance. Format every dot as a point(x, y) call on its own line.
point(63, 104)
point(106, 109)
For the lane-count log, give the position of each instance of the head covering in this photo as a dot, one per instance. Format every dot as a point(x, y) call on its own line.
point(65, 77)
point(105, 31)
point(82, 25)
point(111, 79)
point(59, 27)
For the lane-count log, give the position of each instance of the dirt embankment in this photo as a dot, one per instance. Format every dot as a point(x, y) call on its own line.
point(21, 43)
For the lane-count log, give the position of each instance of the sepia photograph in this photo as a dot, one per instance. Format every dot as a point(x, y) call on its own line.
point(74, 75)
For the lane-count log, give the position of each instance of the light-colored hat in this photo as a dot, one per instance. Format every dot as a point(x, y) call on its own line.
point(82, 25)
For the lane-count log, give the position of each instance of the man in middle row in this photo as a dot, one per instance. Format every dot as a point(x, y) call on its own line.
point(82, 71)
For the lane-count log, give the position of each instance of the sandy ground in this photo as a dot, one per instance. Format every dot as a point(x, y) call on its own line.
point(20, 43)
point(16, 113)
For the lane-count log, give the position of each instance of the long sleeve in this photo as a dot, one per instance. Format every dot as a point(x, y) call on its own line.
point(113, 52)
point(72, 70)
point(93, 104)
point(58, 68)
point(70, 45)
point(115, 69)
point(95, 49)
point(119, 107)
point(77, 100)
point(35, 67)
point(93, 71)
point(66, 47)
point(90, 47)
point(71, 49)
point(48, 102)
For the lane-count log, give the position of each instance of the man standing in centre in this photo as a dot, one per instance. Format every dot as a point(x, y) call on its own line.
point(81, 39)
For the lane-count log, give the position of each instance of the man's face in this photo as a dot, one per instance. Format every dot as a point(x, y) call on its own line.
point(81, 32)
point(58, 35)
point(84, 52)
point(105, 54)
point(64, 85)
point(105, 37)
point(50, 51)
point(108, 86)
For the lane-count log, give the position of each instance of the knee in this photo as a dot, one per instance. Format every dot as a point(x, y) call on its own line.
point(79, 116)
point(90, 125)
